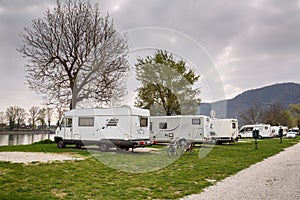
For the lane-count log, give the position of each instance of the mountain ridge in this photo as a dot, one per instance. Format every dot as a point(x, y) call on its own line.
point(281, 93)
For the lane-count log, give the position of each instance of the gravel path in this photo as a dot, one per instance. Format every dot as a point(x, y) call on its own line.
point(28, 157)
point(276, 178)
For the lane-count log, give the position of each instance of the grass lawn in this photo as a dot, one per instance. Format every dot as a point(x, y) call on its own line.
point(91, 179)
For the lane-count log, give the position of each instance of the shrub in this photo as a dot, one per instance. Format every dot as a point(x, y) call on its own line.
point(46, 141)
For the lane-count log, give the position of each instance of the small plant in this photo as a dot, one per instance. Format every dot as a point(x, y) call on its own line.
point(46, 141)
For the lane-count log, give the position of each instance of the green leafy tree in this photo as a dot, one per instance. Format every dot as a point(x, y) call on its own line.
point(167, 85)
point(295, 112)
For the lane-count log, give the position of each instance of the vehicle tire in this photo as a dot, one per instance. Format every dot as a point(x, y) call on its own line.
point(182, 145)
point(260, 137)
point(78, 146)
point(103, 147)
point(61, 144)
point(213, 141)
point(170, 151)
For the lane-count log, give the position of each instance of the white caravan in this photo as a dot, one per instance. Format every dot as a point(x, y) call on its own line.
point(294, 129)
point(125, 127)
point(190, 127)
point(264, 131)
point(224, 130)
point(275, 130)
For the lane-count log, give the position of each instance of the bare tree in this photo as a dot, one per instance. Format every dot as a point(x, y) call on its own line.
point(33, 113)
point(42, 116)
point(74, 54)
point(252, 115)
point(276, 114)
point(10, 114)
point(49, 113)
point(2, 117)
point(20, 116)
point(60, 112)
point(15, 114)
point(295, 111)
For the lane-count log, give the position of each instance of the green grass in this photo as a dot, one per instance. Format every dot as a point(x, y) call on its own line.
point(91, 179)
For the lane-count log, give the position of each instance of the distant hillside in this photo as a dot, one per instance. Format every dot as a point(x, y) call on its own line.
point(283, 93)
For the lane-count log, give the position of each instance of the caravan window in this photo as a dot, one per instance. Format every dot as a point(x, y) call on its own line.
point(143, 121)
point(163, 125)
point(112, 122)
point(248, 128)
point(68, 122)
point(196, 121)
point(233, 125)
point(86, 121)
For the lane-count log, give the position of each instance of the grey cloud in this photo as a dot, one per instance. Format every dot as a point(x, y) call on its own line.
point(264, 36)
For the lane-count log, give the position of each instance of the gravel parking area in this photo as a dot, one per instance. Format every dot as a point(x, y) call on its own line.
point(276, 178)
point(29, 157)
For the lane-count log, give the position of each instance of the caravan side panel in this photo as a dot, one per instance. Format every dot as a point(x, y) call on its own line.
point(166, 128)
point(264, 131)
point(119, 125)
point(224, 130)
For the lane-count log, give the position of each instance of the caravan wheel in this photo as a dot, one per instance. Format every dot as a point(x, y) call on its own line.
point(103, 147)
point(61, 144)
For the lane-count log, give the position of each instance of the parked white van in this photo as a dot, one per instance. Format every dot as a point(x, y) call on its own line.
point(294, 129)
point(195, 128)
point(125, 127)
point(224, 130)
point(264, 131)
point(275, 130)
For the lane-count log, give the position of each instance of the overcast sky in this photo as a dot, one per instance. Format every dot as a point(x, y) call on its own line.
point(238, 44)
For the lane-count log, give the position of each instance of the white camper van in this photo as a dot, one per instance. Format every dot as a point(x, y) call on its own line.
point(224, 130)
point(264, 131)
point(191, 127)
point(125, 127)
point(275, 130)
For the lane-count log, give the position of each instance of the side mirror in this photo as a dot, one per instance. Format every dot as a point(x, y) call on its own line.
point(58, 125)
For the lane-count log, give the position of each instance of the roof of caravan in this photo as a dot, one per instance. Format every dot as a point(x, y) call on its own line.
point(250, 125)
point(111, 111)
point(179, 116)
point(227, 119)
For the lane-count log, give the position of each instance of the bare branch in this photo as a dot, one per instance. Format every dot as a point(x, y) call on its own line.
point(74, 54)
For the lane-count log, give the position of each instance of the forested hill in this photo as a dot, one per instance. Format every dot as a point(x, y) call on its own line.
point(281, 93)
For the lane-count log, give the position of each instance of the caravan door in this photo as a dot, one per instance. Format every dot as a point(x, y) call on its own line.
point(197, 130)
point(68, 127)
